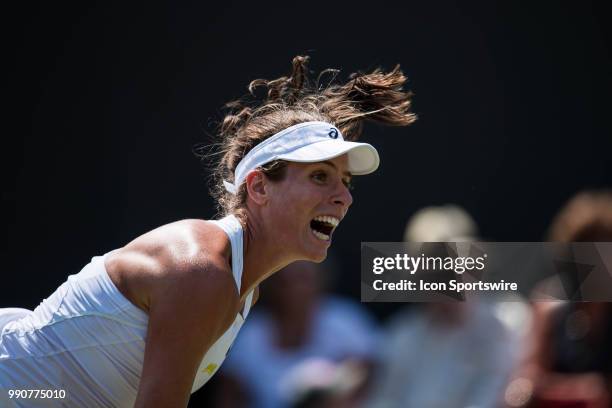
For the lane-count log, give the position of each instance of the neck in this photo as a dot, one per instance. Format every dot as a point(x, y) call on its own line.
point(262, 256)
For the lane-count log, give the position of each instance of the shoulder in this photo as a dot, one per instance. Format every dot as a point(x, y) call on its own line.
point(189, 257)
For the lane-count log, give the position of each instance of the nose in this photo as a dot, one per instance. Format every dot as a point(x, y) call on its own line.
point(343, 197)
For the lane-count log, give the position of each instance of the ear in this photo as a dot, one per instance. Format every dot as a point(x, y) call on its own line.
point(256, 185)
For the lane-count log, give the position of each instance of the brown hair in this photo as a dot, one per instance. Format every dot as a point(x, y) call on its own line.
point(377, 96)
point(587, 217)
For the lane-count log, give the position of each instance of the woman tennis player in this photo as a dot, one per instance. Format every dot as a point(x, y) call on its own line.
point(149, 323)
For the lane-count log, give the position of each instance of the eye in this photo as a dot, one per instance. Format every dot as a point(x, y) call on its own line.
point(319, 176)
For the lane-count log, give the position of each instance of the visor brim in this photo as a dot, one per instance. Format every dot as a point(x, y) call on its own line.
point(362, 157)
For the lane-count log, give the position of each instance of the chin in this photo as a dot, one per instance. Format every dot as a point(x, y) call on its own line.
point(317, 257)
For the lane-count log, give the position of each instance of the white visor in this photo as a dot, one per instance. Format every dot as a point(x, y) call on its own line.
point(306, 142)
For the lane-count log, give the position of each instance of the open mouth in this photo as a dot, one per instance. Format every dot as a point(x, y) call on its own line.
point(322, 226)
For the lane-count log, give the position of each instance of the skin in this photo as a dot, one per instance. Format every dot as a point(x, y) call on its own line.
point(180, 273)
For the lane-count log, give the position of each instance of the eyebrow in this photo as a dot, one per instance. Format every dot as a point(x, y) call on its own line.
point(346, 173)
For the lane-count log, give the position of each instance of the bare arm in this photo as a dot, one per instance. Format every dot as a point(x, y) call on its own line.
point(191, 305)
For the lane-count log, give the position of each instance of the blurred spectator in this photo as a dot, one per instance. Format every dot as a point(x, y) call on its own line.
point(448, 223)
point(455, 354)
point(320, 383)
point(569, 361)
point(283, 335)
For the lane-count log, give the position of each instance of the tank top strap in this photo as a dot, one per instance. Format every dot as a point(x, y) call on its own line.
point(233, 229)
point(247, 304)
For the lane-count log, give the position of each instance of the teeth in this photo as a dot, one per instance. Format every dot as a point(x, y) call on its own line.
point(328, 219)
point(320, 235)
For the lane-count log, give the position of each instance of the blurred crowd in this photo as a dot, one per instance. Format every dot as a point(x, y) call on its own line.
point(304, 347)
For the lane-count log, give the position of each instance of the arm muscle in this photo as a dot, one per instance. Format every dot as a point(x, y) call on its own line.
point(190, 308)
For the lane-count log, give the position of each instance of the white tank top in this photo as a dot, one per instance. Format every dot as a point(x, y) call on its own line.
point(89, 340)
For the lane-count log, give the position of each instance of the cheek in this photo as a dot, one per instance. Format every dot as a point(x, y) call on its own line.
point(293, 205)
point(283, 208)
